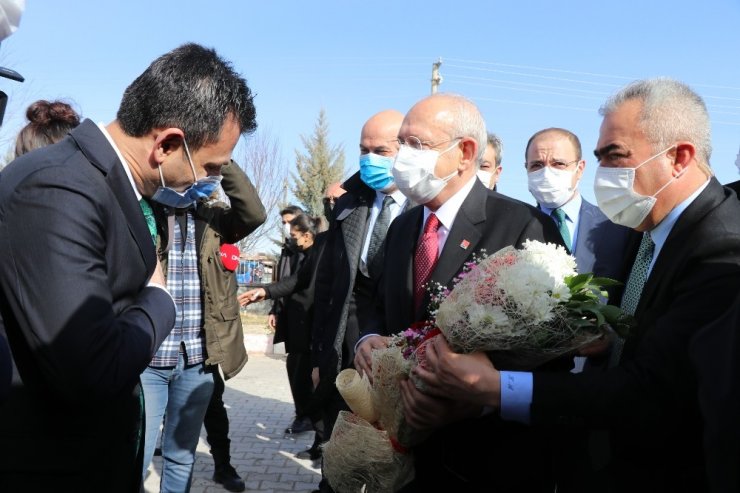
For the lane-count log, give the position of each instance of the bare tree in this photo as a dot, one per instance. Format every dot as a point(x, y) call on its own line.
point(263, 162)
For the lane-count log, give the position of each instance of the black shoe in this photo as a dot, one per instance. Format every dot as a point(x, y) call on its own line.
point(314, 453)
point(299, 425)
point(228, 478)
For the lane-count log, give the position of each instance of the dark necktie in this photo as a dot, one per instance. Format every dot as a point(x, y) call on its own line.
point(374, 256)
point(559, 215)
point(151, 223)
point(425, 258)
point(633, 288)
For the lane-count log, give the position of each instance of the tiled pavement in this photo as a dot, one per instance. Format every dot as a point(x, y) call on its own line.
point(260, 407)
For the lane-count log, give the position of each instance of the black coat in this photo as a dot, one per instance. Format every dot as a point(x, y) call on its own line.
point(649, 402)
point(297, 293)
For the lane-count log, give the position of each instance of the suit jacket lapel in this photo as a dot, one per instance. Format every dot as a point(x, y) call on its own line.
point(707, 200)
point(96, 148)
point(463, 237)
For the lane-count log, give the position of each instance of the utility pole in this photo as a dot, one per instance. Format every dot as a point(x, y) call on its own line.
point(436, 78)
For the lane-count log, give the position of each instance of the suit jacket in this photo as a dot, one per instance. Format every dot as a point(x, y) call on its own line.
point(600, 243)
point(735, 185)
point(448, 460)
point(336, 279)
point(81, 321)
point(649, 401)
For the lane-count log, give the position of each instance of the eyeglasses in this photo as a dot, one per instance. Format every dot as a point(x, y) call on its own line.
point(422, 145)
point(535, 165)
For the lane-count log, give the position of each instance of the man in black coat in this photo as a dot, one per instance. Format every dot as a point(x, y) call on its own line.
point(84, 306)
point(654, 177)
point(450, 133)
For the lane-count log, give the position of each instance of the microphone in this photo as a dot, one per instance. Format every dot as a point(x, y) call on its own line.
point(229, 256)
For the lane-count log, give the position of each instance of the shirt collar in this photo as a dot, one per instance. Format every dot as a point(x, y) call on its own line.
point(448, 211)
point(571, 208)
point(397, 197)
point(120, 158)
point(659, 234)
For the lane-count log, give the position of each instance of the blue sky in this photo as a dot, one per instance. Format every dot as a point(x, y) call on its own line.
point(528, 65)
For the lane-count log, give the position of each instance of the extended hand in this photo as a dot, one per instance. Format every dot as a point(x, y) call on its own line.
point(463, 377)
point(252, 296)
point(364, 355)
point(272, 321)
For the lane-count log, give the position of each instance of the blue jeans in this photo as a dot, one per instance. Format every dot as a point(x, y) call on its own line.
point(184, 393)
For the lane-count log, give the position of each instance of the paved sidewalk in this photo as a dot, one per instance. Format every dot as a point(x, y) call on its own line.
point(260, 407)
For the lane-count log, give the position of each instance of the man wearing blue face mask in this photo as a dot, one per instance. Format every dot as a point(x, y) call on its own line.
point(179, 381)
point(353, 257)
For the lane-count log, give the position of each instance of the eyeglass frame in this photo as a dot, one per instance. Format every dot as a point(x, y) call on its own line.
point(421, 143)
point(553, 164)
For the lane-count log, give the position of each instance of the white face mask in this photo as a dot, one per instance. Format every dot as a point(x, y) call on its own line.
point(485, 177)
point(616, 196)
point(413, 172)
point(286, 231)
point(551, 187)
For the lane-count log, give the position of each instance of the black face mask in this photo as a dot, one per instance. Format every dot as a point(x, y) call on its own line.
point(292, 245)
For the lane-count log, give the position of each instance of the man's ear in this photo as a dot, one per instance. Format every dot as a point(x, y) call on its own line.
point(166, 142)
point(469, 149)
point(683, 155)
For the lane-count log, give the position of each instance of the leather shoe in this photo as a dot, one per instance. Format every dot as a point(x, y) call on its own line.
point(314, 453)
point(299, 425)
point(226, 476)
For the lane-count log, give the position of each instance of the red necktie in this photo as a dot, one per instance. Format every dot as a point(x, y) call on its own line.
point(425, 258)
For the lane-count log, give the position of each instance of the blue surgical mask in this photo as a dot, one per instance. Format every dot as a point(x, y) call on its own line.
point(375, 171)
point(199, 191)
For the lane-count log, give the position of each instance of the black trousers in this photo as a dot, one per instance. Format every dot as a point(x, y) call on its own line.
point(216, 422)
point(298, 365)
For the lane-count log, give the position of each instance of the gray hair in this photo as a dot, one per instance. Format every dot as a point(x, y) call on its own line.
point(494, 141)
point(671, 111)
point(467, 121)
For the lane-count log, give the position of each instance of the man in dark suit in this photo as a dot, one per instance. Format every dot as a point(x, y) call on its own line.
point(346, 279)
point(84, 308)
point(554, 162)
point(444, 136)
point(654, 177)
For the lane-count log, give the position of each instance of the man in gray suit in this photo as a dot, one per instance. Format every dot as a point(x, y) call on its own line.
point(555, 165)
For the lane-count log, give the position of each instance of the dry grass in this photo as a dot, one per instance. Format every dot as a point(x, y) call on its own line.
point(255, 323)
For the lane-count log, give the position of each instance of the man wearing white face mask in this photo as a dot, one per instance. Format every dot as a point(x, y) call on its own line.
point(654, 176)
point(555, 165)
point(442, 141)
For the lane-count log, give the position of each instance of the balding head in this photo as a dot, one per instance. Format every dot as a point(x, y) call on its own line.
point(380, 133)
point(453, 126)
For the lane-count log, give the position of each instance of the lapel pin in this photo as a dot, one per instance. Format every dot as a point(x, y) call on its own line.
point(464, 244)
